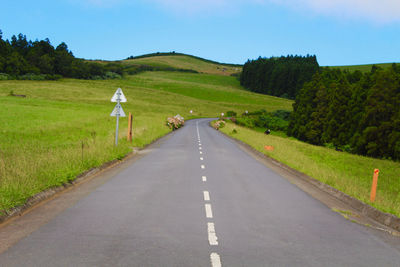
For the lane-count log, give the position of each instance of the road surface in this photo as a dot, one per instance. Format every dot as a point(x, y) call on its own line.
point(195, 199)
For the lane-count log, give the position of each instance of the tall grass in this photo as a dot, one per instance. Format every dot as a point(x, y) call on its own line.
point(346, 172)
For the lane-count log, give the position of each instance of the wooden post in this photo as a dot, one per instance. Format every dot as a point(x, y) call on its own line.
point(374, 185)
point(129, 136)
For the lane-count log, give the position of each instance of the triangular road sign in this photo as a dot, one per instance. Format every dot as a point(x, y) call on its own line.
point(118, 94)
point(121, 111)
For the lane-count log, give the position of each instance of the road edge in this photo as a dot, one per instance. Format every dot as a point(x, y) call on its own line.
point(374, 214)
point(81, 178)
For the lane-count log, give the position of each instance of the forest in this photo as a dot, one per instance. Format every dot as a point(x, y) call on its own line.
point(278, 76)
point(36, 60)
point(352, 111)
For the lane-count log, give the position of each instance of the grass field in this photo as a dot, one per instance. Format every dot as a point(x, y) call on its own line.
point(63, 128)
point(349, 173)
point(362, 68)
point(185, 62)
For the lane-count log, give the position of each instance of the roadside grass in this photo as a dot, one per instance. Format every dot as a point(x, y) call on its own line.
point(346, 172)
point(185, 62)
point(42, 135)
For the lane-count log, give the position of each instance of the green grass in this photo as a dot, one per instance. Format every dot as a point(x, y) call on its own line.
point(185, 62)
point(362, 68)
point(41, 136)
point(346, 172)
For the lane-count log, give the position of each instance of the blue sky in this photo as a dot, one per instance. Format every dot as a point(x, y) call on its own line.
point(339, 32)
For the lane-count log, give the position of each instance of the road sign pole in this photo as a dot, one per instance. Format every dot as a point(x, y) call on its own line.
point(116, 131)
point(118, 111)
point(117, 115)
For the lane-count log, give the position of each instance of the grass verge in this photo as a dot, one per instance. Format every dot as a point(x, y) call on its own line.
point(346, 172)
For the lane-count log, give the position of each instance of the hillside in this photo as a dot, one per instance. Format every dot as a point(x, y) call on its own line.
point(182, 61)
point(362, 68)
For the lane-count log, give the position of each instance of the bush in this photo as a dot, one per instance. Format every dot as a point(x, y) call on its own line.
point(247, 122)
point(231, 113)
point(4, 76)
point(175, 122)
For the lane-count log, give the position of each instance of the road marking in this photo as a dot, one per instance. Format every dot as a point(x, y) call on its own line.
point(215, 260)
point(201, 158)
point(199, 147)
point(212, 237)
point(203, 167)
point(201, 152)
point(206, 196)
point(204, 178)
point(208, 211)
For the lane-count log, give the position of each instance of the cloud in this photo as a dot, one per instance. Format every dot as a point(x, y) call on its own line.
point(381, 11)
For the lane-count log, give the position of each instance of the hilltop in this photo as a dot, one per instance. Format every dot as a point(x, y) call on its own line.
point(183, 61)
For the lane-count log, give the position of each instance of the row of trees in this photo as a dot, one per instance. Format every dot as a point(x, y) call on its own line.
point(357, 112)
point(19, 57)
point(282, 76)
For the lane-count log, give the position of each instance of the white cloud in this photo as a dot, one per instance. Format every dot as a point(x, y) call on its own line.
point(381, 11)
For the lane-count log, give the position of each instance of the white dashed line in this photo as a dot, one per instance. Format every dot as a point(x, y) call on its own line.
point(206, 196)
point(215, 260)
point(208, 210)
point(212, 237)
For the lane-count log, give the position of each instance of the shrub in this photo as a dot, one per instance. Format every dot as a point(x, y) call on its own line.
point(231, 113)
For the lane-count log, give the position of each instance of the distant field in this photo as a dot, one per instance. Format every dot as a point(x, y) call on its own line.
point(186, 62)
point(346, 172)
point(362, 68)
point(41, 136)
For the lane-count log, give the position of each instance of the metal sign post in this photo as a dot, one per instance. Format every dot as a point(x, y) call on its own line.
point(118, 111)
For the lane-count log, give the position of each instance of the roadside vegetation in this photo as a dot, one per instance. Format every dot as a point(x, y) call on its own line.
point(346, 172)
point(51, 131)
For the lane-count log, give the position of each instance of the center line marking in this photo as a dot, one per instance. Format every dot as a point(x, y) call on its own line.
point(206, 196)
point(204, 178)
point(215, 260)
point(201, 152)
point(201, 158)
point(212, 237)
point(208, 210)
point(202, 166)
point(199, 147)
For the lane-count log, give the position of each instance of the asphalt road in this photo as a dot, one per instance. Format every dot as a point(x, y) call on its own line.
point(197, 199)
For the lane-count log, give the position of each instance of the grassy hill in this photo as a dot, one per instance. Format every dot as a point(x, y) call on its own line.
point(62, 128)
point(182, 61)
